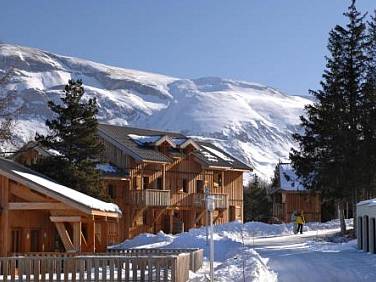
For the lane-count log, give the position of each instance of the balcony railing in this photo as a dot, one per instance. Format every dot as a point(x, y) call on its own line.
point(221, 200)
point(149, 198)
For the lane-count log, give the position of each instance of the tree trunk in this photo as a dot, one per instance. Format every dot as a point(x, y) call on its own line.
point(354, 202)
point(341, 210)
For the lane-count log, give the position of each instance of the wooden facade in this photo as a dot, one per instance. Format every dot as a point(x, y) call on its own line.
point(290, 196)
point(286, 202)
point(166, 193)
point(36, 219)
point(170, 197)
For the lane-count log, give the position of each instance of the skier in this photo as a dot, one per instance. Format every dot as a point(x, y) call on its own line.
point(300, 221)
point(293, 220)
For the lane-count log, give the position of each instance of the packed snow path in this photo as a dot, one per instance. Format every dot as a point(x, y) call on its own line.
point(308, 258)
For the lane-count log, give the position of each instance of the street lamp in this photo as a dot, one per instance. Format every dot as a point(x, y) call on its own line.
point(210, 206)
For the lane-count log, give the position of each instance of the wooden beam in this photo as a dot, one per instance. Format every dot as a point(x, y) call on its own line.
point(105, 214)
point(156, 218)
point(163, 177)
point(4, 230)
point(202, 213)
point(77, 228)
point(65, 218)
point(27, 194)
point(171, 221)
point(91, 235)
point(64, 236)
point(37, 206)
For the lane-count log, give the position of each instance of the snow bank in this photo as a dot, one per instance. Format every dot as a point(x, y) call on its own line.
point(232, 243)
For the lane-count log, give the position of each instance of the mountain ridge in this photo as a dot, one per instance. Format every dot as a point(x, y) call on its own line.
point(249, 120)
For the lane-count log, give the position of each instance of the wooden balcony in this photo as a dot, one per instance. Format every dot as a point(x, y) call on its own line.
point(182, 200)
point(149, 198)
point(221, 200)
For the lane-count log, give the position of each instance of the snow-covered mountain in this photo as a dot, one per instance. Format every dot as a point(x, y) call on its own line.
point(249, 120)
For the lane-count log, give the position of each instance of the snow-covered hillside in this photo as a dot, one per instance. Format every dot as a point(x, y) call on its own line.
point(251, 121)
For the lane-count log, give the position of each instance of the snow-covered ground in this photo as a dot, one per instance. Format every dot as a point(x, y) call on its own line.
point(263, 252)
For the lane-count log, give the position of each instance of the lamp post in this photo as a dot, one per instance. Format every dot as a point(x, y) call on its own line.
point(210, 206)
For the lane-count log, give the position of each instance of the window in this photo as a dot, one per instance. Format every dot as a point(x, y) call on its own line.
point(185, 186)
point(111, 189)
point(199, 186)
point(160, 183)
point(16, 240)
point(217, 179)
point(34, 241)
point(146, 182)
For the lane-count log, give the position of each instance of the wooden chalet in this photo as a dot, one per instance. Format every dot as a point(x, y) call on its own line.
point(39, 215)
point(290, 195)
point(158, 179)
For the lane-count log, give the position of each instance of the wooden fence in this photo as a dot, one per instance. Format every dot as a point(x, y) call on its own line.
point(174, 267)
point(196, 256)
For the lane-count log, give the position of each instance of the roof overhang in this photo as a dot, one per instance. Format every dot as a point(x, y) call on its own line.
point(38, 188)
point(119, 145)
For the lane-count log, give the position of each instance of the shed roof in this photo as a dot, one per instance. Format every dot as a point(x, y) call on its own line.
point(44, 185)
point(370, 203)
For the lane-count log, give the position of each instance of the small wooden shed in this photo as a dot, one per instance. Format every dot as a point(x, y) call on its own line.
point(40, 215)
point(366, 225)
point(290, 195)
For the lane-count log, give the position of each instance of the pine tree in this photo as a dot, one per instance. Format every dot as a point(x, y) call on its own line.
point(7, 115)
point(257, 203)
point(369, 116)
point(73, 137)
point(331, 147)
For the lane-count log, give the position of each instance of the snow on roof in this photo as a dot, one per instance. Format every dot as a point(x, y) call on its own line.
point(208, 156)
point(218, 154)
point(288, 179)
point(179, 141)
point(370, 202)
point(106, 167)
point(72, 194)
point(144, 139)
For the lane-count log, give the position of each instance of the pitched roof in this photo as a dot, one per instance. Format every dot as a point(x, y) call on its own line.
point(119, 136)
point(288, 179)
point(215, 157)
point(136, 141)
point(44, 185)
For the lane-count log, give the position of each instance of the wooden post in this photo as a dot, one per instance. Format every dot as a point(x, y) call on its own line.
point(77, 241)
point(171, 221)
point(104, 230)
point(223, 181)
point(142, 177)
point(91, 235)
point(4, 230)
point(163, 177)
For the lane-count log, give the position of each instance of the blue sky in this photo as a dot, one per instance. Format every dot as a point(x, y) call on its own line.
point(273, 42)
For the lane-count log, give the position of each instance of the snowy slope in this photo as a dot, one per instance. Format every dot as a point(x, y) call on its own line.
point(251, 121)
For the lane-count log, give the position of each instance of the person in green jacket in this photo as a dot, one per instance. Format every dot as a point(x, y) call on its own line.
point(300, 221)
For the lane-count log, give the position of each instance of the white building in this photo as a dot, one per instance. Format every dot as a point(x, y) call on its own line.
point(366, 222)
